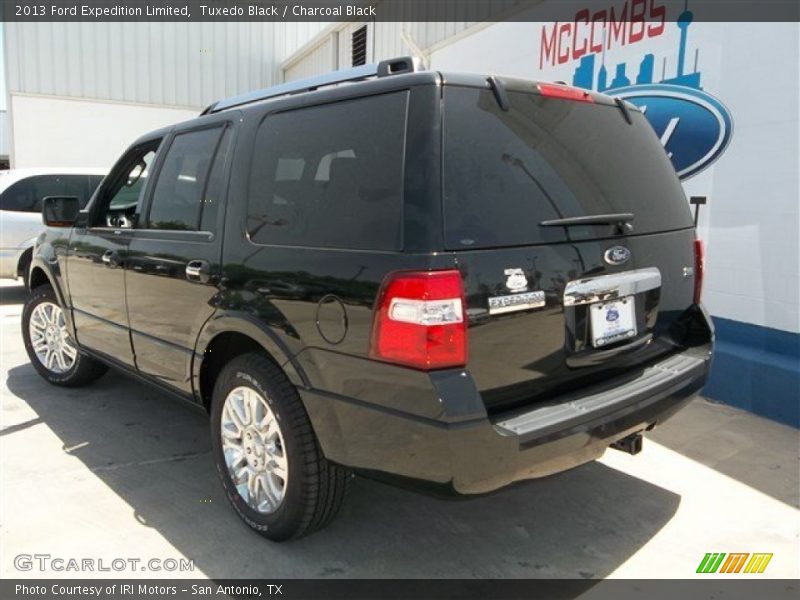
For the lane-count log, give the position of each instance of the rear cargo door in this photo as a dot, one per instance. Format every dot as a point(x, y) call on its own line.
point(554, 302)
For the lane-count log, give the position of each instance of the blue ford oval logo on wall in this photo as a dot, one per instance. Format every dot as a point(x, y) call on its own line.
point(617, 255)
point(694, 127)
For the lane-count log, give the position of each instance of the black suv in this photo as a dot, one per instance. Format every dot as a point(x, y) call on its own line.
point(448, 280)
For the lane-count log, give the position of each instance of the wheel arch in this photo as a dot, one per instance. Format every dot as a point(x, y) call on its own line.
point(24, 261)
point(227, 336)
point(38, 277)
point(41, 274)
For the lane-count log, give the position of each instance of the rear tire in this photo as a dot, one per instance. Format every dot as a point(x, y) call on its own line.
point(50, 347)
point(267, 456)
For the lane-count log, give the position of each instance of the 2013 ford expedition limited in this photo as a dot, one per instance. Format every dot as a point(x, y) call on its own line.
point(451, 280)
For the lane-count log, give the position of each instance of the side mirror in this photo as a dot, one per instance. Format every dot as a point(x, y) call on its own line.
point(82, 220)
point(60, 211)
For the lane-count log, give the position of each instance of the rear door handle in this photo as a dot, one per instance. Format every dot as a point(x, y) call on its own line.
point(198, 270)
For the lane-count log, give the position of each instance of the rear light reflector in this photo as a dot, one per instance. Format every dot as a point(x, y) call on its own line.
point(420, 320)
point(565, 92)
point(699, 269)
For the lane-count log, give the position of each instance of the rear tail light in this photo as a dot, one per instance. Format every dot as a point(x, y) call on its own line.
point(420, 320)
point(564, 91)
point(699, 269)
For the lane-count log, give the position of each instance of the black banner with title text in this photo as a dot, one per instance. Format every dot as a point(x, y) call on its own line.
point(393, 10)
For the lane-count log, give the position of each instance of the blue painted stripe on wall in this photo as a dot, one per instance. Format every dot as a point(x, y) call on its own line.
point(758, 369)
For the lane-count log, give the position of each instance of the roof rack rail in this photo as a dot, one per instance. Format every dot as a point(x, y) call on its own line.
point(385, 68)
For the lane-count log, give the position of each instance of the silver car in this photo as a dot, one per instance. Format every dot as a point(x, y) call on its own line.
point(21, 193)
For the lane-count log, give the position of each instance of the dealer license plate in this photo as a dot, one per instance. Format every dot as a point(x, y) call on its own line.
point(613, 321)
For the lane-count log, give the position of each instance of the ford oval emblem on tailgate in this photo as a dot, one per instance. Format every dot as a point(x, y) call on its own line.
point(617, 255)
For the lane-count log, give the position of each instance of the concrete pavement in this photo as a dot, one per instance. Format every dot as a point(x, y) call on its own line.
point(118, 470)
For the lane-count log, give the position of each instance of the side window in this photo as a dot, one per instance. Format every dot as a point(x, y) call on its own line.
point(330, 176)
point(189, 188)
point(119, 197)
point(215, 188)
point(26, 195)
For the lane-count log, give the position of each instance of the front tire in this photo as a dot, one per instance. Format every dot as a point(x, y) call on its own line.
point(266, 453)
point(50, 347)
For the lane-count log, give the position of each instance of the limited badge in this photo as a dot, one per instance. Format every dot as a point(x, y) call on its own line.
point(515, 280)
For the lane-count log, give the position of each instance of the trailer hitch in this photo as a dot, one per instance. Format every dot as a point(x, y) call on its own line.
point(631, 444)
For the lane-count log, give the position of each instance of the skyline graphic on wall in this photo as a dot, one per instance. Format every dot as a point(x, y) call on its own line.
point(584, 76)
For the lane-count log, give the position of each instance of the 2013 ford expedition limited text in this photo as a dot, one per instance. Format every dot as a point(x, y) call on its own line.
point(449, 280)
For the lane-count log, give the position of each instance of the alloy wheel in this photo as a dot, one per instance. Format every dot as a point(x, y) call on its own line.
point(50, 339)
point(255, 454)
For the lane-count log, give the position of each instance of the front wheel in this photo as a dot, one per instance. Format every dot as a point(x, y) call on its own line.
point(50, 347)
point(267, 455)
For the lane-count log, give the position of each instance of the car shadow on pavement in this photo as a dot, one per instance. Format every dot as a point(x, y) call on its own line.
point(13, 294)
point(154, 453)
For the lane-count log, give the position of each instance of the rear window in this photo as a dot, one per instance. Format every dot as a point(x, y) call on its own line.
point(331, 176)
point(547, 158)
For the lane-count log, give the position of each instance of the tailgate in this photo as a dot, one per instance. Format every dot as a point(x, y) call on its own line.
point(517, 181)
point(519, 354)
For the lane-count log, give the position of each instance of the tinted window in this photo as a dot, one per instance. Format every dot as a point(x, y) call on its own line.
point(215, 188)
point(506, 171)
point(121, 196)
point(132, 185)
point(331, 176)
point(26, 195)
point(179, 198)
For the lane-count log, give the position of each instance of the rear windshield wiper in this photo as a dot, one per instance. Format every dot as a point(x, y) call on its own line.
point(622, 220)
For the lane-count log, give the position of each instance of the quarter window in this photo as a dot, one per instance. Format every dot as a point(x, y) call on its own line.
point(331, 176)
point(119, 196)
point(127, 195)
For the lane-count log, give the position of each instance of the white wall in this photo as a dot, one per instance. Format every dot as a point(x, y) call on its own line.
point(4, 138)
point(172, 64)
point(753, 226)
point(331, 49)
point(752, 222)
point(49, 131)
point(311, 45)
point(79, 93)
point(322, 58)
